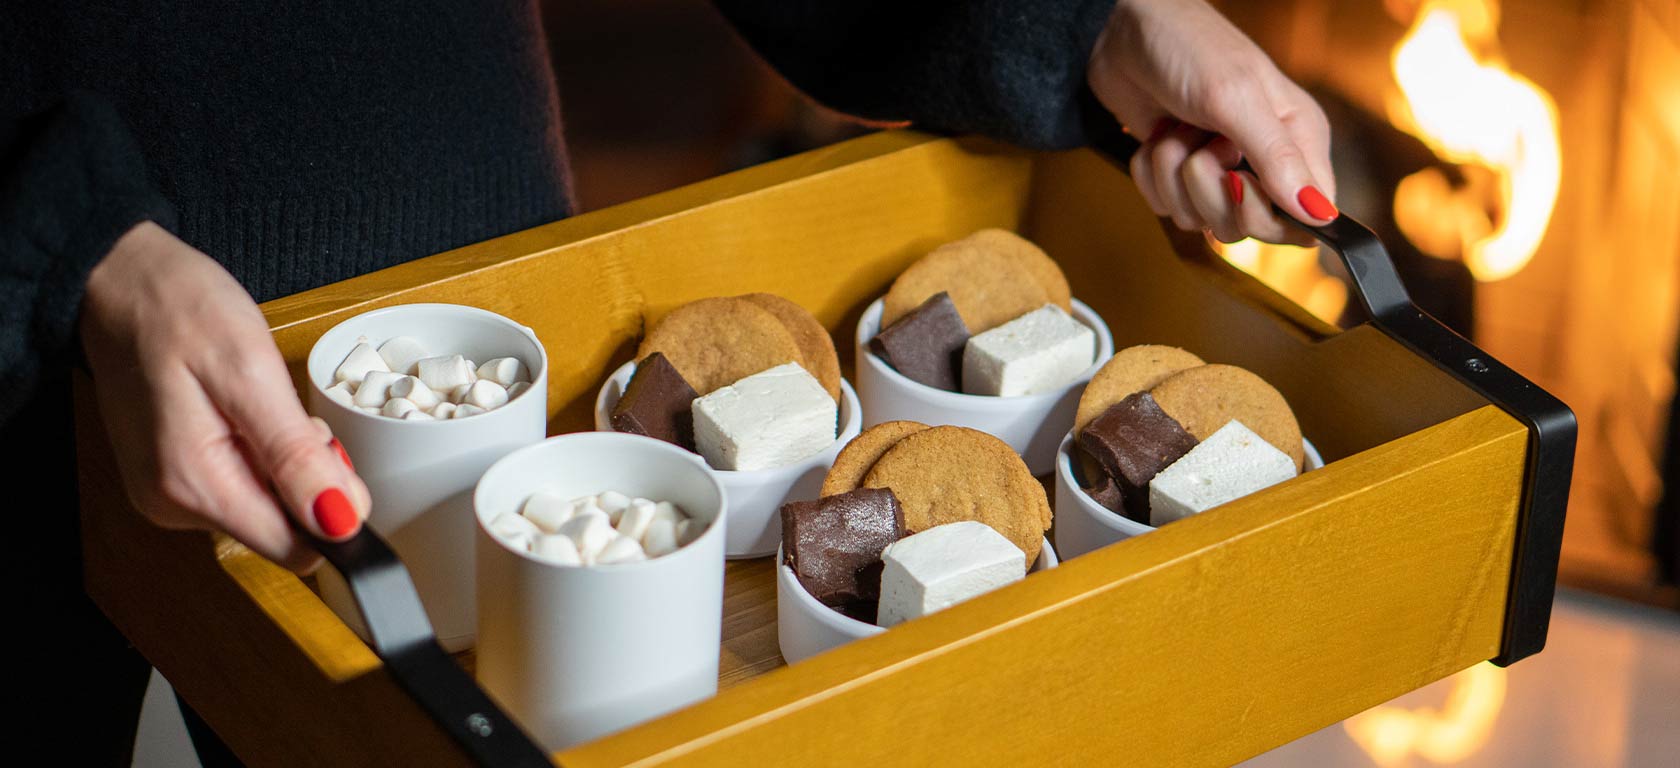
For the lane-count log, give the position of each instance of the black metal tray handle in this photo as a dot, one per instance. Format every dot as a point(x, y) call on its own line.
point(1551, 425)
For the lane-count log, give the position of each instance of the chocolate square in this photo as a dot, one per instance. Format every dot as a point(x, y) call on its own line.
point(834, 544)
point(1133, 441)
point(657, 403)
point(926, 345)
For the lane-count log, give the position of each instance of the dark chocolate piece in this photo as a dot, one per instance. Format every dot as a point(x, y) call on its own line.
point(1133, 441)
point(834, 544)
point(1107, 493)
point(657, 403)
point(926, 345)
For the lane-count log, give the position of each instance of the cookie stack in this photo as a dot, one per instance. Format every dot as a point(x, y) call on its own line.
point(749, 382)
point(914, 518)
point(1161, 435)
point(985, 315)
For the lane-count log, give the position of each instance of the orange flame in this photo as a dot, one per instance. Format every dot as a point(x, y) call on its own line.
point(1462, 725)
point(1474, 111)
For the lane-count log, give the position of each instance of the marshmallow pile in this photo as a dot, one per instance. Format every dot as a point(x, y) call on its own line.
point(605, 528)
point(402, 380)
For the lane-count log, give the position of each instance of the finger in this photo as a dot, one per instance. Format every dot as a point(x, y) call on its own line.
point(1213, 189)
point(1166, 157)
point(1241, 110)
point(249, 384)
point(1143, 175)
point(1256, 218)
point(210, 479)
point(1307, 125)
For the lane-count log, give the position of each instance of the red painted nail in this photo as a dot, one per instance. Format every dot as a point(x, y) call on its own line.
point(1161, 127)
point(1233, 184)
point(342, 456)
point(1317, 205)
point(334, 513)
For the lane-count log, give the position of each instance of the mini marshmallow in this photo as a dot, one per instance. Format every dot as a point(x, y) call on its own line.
point(1038, 351)
point(459, 394)
point(463, 411)
point(418, 415)
point(621, 550)
point(665, 510)
point(486, 394)
point(368, 409)
point(361, 361)
point(1231, 463)
point(660, 538)
point(688, 530)
point(504, 371)
point(444, 374)
point(399, 407)
point(443, 410)
point(342, 393)
point(375, 389)
point(771, 418)
point(401, 353)
point(614, 503)
point(518, 388)
point(415, 391)
point(557, 549)
point(591, 532)
point(514, 530)
point(548, 511)
point(633, 521)
point(942, 566)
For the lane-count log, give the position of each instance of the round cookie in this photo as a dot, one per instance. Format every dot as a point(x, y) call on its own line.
point(816, 347)
point(716, 342)
point(948, 474)
point(859, 456)
point(1133, 369)
point(1203, 399)
point(1043, 268)
point(989, 288)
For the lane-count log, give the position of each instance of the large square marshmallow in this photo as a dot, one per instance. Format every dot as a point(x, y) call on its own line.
point(771, 418)
point(1038, 351)
point(942, 566)
point(1232, 463)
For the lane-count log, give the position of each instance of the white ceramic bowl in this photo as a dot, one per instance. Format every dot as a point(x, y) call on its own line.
point(421, 473)
point(805, 627)
point(1083, 525)
point(755, 497)
point(575, 653)
point(1031, 424)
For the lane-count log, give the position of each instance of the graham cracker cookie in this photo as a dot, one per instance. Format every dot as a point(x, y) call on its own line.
point(716, 342)
point(1133, 369)
point(988, 286)
point(859, 456)
point(1044, 269)
point(816, 347)
point(1203, 399)
point(949, 474)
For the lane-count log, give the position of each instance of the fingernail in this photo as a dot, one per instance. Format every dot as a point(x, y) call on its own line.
point(334, 513)
point(1316, 204)
point(1161, 127)
point(1233, 184)
point(342, 456)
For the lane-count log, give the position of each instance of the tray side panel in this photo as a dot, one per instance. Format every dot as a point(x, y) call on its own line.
point(1206, 642)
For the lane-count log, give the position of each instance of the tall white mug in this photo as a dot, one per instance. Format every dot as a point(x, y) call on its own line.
point(577, 652)
point(421, 473)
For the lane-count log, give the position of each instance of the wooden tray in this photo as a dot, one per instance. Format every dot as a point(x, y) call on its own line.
point(1206, 642)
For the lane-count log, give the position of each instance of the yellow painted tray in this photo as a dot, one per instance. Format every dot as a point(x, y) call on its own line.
point(1205, 642)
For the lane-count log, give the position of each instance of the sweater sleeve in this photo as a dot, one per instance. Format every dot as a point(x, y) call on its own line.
point(1009, 69)
point(72, 181)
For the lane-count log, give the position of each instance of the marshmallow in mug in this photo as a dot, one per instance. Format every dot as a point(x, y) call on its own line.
point(401, 379)
point(605, 528)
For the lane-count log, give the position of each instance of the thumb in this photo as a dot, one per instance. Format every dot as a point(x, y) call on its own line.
point(1244, 115)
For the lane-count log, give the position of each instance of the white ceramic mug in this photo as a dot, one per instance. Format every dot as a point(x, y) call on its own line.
point(805, 627)
point(1083, 525)
point(1031, 424)
point(421, 473)
point(756, 496)
point(575, 652)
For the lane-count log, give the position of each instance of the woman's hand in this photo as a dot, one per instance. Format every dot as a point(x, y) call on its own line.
point(207, 429)
point(1204, 97)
